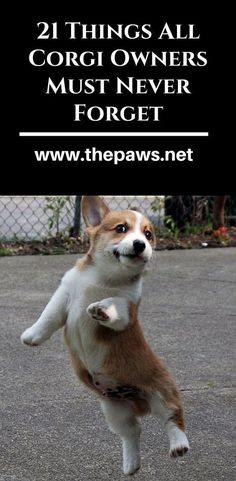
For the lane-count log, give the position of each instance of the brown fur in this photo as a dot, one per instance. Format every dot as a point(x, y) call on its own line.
point(131, 361)
point(147, 225)
point(84, 262)
point(177, 418)
point(140, 406)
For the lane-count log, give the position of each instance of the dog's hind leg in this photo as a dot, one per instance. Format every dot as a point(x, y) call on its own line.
point(123, 422)
point(52, 318)
point(170, 413)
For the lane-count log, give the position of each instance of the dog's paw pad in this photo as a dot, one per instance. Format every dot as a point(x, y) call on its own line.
point(131, 468)
point(97, 312)
point(30, 343)
point(31, 338)
point(177, 451)
point(101, 314)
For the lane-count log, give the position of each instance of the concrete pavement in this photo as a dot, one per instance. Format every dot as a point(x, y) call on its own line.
point(52, 428)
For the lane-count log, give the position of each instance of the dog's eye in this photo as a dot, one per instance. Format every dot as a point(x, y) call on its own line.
point(148, 234)
point(121, 228)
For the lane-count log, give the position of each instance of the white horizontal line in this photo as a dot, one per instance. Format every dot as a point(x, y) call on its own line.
point(113, 134)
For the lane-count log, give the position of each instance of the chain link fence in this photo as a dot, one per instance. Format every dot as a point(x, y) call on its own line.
point(37, 218)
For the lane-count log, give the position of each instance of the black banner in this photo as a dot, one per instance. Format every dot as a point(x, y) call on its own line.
point(113, 102)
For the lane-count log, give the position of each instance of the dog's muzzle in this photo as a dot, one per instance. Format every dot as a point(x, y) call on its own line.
point(138, 246)
point(135, 252)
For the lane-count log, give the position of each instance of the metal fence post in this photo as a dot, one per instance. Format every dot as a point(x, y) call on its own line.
point(77, 217)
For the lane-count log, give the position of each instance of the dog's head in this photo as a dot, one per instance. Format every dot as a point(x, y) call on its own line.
point(119, 240)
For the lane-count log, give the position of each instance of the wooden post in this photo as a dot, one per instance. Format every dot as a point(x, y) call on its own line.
point(219, 211)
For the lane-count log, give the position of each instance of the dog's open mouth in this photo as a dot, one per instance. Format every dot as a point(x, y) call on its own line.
point(117, 255)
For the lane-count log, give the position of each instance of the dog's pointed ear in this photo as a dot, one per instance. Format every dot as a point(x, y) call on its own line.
point(93, 209)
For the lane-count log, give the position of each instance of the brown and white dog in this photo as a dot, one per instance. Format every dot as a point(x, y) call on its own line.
point(97, 303)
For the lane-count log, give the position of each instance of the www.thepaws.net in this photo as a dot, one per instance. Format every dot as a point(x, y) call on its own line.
point(115, 156)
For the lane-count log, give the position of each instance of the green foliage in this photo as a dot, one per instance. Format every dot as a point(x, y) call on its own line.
point(172, 230)
point(221, 236)
point(211, 385)
point(197, 229)
point(166, 226)
point(158, 204)
point(4, 251)
point(56, 206)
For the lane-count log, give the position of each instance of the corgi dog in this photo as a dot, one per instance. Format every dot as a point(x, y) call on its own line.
point(97, 305)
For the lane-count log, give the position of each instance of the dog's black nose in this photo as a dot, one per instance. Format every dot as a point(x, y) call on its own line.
point(139, 246)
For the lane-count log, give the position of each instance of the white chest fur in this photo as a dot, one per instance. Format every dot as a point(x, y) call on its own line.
point(85, 288)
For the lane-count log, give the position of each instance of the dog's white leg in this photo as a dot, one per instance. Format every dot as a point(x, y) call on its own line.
point(112, 312)
point(179, 444)
point(123, 422)
point(52, 318)
point(172, 419)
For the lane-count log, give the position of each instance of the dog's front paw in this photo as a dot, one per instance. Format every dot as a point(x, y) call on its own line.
point(131, 466)
point(131, 456)
point(179, 447)
point(32, 337)
point(98, 311)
